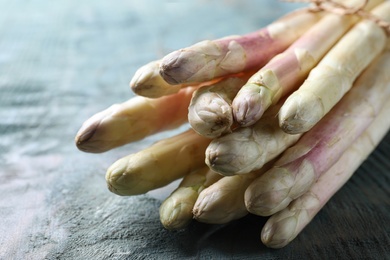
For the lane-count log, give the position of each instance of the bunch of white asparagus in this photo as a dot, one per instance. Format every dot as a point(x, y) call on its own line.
point(281, 118)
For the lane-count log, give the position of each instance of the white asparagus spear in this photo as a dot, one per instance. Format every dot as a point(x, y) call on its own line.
point(157, 165)
point(302, 164)
point(133, 120)
point(287, 70)
point(282, 227)
point(333, 77)
point(207, 60)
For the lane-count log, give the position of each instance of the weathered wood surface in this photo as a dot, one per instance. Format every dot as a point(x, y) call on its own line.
point(62, 61)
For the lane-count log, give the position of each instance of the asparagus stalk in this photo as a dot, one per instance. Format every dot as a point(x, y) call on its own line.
point(302, 164)
point(157, 165)
point(328, 82)
point(249, 148)
point(210, 113)
point(176, 210)
point(288, 69)
point(133, 120)
point(207, 60)
point(282, 227)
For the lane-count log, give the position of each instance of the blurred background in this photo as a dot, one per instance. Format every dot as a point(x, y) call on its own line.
point(63, 61)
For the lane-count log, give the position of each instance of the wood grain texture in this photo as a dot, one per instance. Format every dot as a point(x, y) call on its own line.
point(62, 61)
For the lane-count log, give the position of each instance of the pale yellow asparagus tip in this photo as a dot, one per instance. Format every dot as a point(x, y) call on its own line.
point(148, 82)
point(223, 201)
point(284, 226)
point(114, 127)
point(294, 115)
point(176, 210)
point(157, 165)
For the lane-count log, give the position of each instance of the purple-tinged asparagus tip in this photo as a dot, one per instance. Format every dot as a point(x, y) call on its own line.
point(84, 135)
point(179, 66)
point(249, 104)
point(85, 139)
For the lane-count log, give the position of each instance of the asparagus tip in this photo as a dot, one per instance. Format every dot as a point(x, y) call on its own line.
point(248, 106)
point(300, 113)
point(169, 69)
point(268, 195)
point(218, 163)
point(84, 136)
point(270, 238)
point(212, 118)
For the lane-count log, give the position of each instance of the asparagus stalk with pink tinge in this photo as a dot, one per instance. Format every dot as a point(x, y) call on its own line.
point(208, 60)
point(288, 69)
point(333, 77)
point(282, 227)
point(133, 120)
point(303, 163)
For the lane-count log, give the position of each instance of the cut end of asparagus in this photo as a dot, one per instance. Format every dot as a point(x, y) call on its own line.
point(250, 104)
point(300, 113)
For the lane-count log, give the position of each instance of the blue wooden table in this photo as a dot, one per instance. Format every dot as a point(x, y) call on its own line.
point(61, 62)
